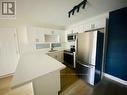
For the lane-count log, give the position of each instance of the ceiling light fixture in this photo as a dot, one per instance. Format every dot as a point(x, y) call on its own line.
point(77, 7)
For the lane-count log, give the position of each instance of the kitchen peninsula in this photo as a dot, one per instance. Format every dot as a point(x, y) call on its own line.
point(40, 69)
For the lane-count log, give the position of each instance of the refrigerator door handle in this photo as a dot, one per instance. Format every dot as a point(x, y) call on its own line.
point(88, 66)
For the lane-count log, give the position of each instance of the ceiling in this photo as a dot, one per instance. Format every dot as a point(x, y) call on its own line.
point(55, 12)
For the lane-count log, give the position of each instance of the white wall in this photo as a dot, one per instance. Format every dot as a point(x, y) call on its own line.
point(8, 51)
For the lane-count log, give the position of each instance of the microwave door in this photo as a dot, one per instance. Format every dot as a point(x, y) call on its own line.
point(70, 38)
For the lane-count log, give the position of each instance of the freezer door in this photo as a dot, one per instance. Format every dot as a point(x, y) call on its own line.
point(86, 72)
point(86, 47)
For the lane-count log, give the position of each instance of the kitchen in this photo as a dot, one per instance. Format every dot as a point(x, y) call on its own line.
point(39, 39)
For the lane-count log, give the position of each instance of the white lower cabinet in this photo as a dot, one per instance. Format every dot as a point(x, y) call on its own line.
point(57, 55)
point(48, 84)
point(60, 56)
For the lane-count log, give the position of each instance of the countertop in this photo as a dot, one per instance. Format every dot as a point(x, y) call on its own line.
point(33, 65)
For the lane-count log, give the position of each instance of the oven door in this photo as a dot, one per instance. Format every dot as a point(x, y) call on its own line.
point(69, 59)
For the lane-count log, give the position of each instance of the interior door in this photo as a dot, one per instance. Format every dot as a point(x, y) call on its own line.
point(8, 51)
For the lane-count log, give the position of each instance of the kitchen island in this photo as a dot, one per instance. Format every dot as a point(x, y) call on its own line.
point(40, 69)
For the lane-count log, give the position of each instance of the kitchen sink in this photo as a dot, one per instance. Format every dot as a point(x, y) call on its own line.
point(53, 50)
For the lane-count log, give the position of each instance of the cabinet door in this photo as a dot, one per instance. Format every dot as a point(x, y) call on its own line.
point(76, 29)
point(57, 55)
point(81, 29)
point(53, 55)
point(60, 56)
point(8, 51)
point(35, 35)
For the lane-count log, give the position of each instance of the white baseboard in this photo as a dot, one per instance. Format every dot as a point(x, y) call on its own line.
point(115, 79)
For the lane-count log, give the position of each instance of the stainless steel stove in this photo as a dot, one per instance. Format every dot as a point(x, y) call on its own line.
point(69, 58)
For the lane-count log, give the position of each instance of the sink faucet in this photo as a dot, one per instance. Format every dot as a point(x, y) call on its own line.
point(52, 47)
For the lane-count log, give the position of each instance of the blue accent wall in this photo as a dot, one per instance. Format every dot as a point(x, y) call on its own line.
point(116, 58)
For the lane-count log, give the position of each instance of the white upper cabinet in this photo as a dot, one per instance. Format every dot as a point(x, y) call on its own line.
point(89, 24)
point(75, 29)
point(81, 28)
point(37, 35)
point(78, 28)
point(94, 24)
point(60, 34)
point(69, 31)
point(52, 38)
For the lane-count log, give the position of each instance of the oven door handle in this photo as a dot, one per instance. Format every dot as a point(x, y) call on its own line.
point(69, 53)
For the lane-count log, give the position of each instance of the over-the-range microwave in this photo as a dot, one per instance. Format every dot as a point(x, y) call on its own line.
point(71, 37)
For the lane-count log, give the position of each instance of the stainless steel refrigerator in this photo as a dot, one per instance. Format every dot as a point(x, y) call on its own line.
point(89, 56)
